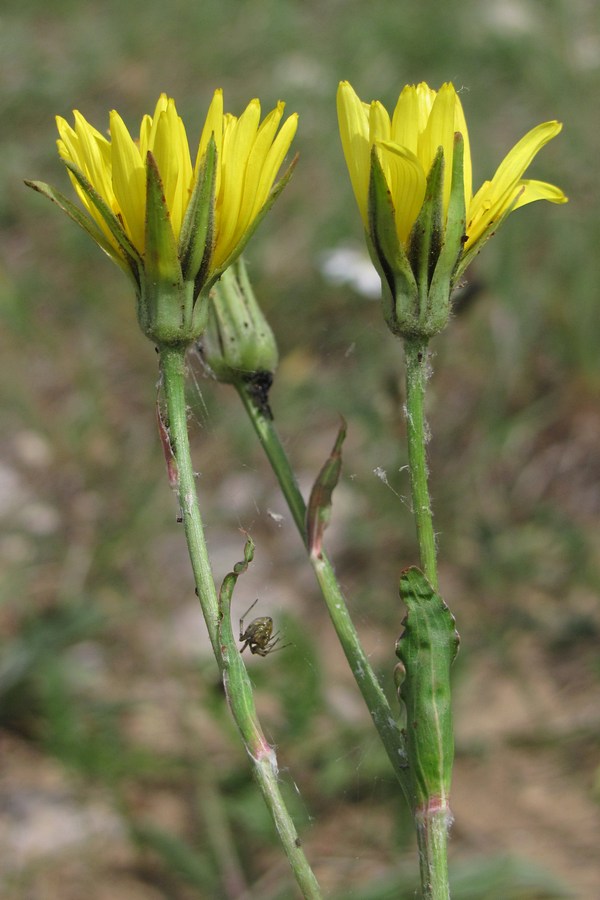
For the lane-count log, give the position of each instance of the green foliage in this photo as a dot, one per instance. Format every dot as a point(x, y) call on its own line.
point(35, 657)
point(179, 858)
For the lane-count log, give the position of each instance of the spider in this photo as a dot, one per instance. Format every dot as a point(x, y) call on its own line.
point(259, 634)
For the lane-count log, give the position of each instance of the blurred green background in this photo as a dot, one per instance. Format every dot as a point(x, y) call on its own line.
point(120, 773)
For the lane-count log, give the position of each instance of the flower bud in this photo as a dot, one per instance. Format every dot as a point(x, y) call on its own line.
point(238, 343)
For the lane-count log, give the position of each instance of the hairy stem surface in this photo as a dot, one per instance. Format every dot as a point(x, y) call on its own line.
point(416, 381)
point(432, 823)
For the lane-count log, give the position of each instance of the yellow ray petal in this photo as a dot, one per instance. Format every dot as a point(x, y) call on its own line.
point(171, 150)
point(260, 180)
point(150, 125)
point(90, 152)
point(460, 124)
point(379, 132)
point(515, 163)
point(274, 160)
point(213, 126)
point(254, 167)
point(94, 156)
point(411, 115)
point(379, 123)
point(407, 184)
point(128, 179)
point(238, 139)
point(405, 121)
point(439, 132)
point(539, 190)
point(353, 118)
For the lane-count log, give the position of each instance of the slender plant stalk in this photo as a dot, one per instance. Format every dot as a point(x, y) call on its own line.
point(241, 700)
point(431, 822)
point(432, 839)
point(416, 381)
point(172, 365)
point(216, 613)
point(369, 686)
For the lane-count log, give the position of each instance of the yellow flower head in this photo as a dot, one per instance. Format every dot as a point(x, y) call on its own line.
point(174, 225)
point(407, 144)
point(248, 157)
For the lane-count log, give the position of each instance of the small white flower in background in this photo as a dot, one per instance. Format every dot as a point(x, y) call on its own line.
point(351, 266)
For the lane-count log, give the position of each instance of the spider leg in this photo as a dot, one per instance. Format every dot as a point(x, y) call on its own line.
point(244, 616)
point(271, 648)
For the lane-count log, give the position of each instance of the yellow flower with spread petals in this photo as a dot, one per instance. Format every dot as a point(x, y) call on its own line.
point(173, 222)
point(415, 153)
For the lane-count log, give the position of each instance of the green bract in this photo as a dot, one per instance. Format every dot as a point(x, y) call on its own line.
point(238, 343)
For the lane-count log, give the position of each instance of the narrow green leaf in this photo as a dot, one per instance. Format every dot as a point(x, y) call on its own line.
point(426, 650)
point(112, 222)
point(84, 221)
point(227, 645)
point(235, 677)
point(318, 511)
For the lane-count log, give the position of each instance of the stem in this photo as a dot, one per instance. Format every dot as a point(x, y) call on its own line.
point(366, 680)
point(432, 838)
point(172, 364)
point(433, 821)
point(416, 380)
point(265, 771)
point(235, 678)
point(238, 690)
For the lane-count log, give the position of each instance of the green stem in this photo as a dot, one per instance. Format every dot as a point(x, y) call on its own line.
point(366, 680)
point(432, 822)
point(416, 381)
point(172, 365)
point(238, 690)
point(432, 839)
point(235, 678)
